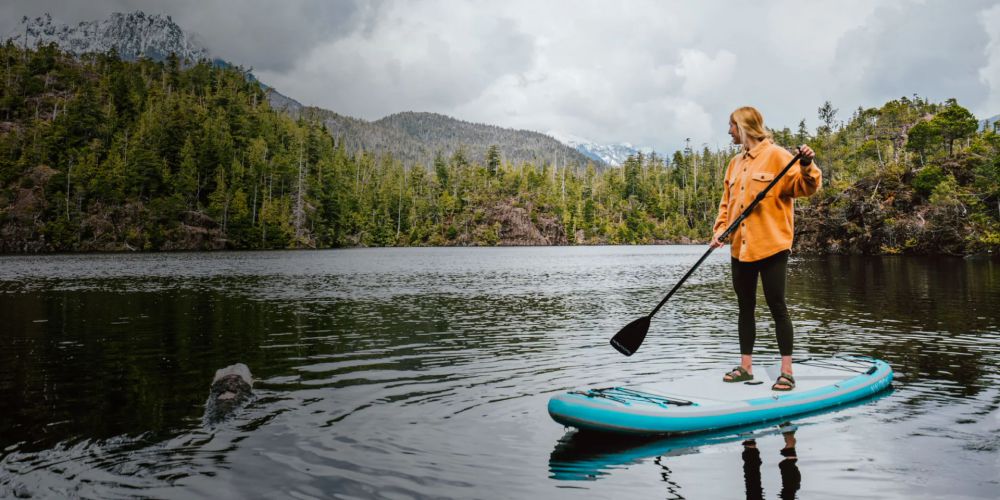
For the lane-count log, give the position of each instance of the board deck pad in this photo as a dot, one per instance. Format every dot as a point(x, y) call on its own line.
point(703, 401)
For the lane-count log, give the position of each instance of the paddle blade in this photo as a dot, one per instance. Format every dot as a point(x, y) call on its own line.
point(628, 339)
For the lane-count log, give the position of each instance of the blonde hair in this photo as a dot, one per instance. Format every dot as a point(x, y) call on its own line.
point(749, 123)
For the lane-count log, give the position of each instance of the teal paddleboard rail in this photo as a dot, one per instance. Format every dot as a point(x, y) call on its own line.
point(648, 411)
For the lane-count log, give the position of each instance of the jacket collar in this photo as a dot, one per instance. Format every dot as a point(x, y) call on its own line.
point(755, 152)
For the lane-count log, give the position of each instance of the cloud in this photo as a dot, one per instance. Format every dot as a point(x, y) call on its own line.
point(703, 74)
point(270, 35)
point(933, 49)
point(412, 58)
point(647, 72)
point(989, 74)
point(259, 33)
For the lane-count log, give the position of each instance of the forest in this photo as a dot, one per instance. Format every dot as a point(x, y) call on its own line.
point(102, 154)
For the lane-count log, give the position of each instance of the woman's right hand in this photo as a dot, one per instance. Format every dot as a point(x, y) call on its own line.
point(715, 242)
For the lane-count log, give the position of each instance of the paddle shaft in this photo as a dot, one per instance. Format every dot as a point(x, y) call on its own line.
point(732, 227)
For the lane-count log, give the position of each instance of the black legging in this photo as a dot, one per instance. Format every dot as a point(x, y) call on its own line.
point(772, 276)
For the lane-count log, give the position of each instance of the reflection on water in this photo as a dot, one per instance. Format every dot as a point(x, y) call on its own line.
point(791, 477)
point(426, 372)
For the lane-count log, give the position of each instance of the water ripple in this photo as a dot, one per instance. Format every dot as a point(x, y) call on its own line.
point(425, 372)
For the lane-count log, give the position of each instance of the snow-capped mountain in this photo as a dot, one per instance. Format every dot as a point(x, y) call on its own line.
point(137, 34)
point(612, 154)
point(133, 35)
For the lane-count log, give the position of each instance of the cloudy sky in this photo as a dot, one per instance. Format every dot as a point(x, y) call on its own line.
point(651, 73)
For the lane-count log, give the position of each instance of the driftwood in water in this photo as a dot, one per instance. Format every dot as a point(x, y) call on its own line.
point(231, 388)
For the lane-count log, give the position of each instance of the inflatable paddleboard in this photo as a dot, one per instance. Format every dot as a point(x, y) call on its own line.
point(704, 402)
point(588, 456)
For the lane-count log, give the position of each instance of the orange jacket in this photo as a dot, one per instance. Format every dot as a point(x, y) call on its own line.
point(768, 229)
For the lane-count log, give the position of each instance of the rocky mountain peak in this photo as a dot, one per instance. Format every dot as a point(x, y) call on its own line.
point(132, 35)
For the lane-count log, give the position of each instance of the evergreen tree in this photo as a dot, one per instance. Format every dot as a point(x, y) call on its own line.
point(827, 115)
point(493, 159)
point(954, 123)
point(441, 170)
point(921, 137)
point(802, 135)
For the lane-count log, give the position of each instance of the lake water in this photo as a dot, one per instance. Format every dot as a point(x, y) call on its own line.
point(414, 373)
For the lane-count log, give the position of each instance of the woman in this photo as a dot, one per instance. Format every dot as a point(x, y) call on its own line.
point(762, 242)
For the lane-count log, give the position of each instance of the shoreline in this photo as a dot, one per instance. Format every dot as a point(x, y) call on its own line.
point(795, 251)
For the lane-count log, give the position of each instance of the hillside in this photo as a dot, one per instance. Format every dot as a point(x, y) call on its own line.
point(910, 177)
point(413, 138)
point(99, 153)
point(417, 138)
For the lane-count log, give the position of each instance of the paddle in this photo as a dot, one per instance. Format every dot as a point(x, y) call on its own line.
point(628, 339)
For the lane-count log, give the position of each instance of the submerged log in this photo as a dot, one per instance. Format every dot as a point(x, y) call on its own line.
point(231, 388)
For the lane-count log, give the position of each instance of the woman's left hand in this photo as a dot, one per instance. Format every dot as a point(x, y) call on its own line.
point(807, 154)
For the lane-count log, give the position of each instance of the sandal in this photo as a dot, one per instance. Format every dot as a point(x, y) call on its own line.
point(785, 380)
point(741, 375)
